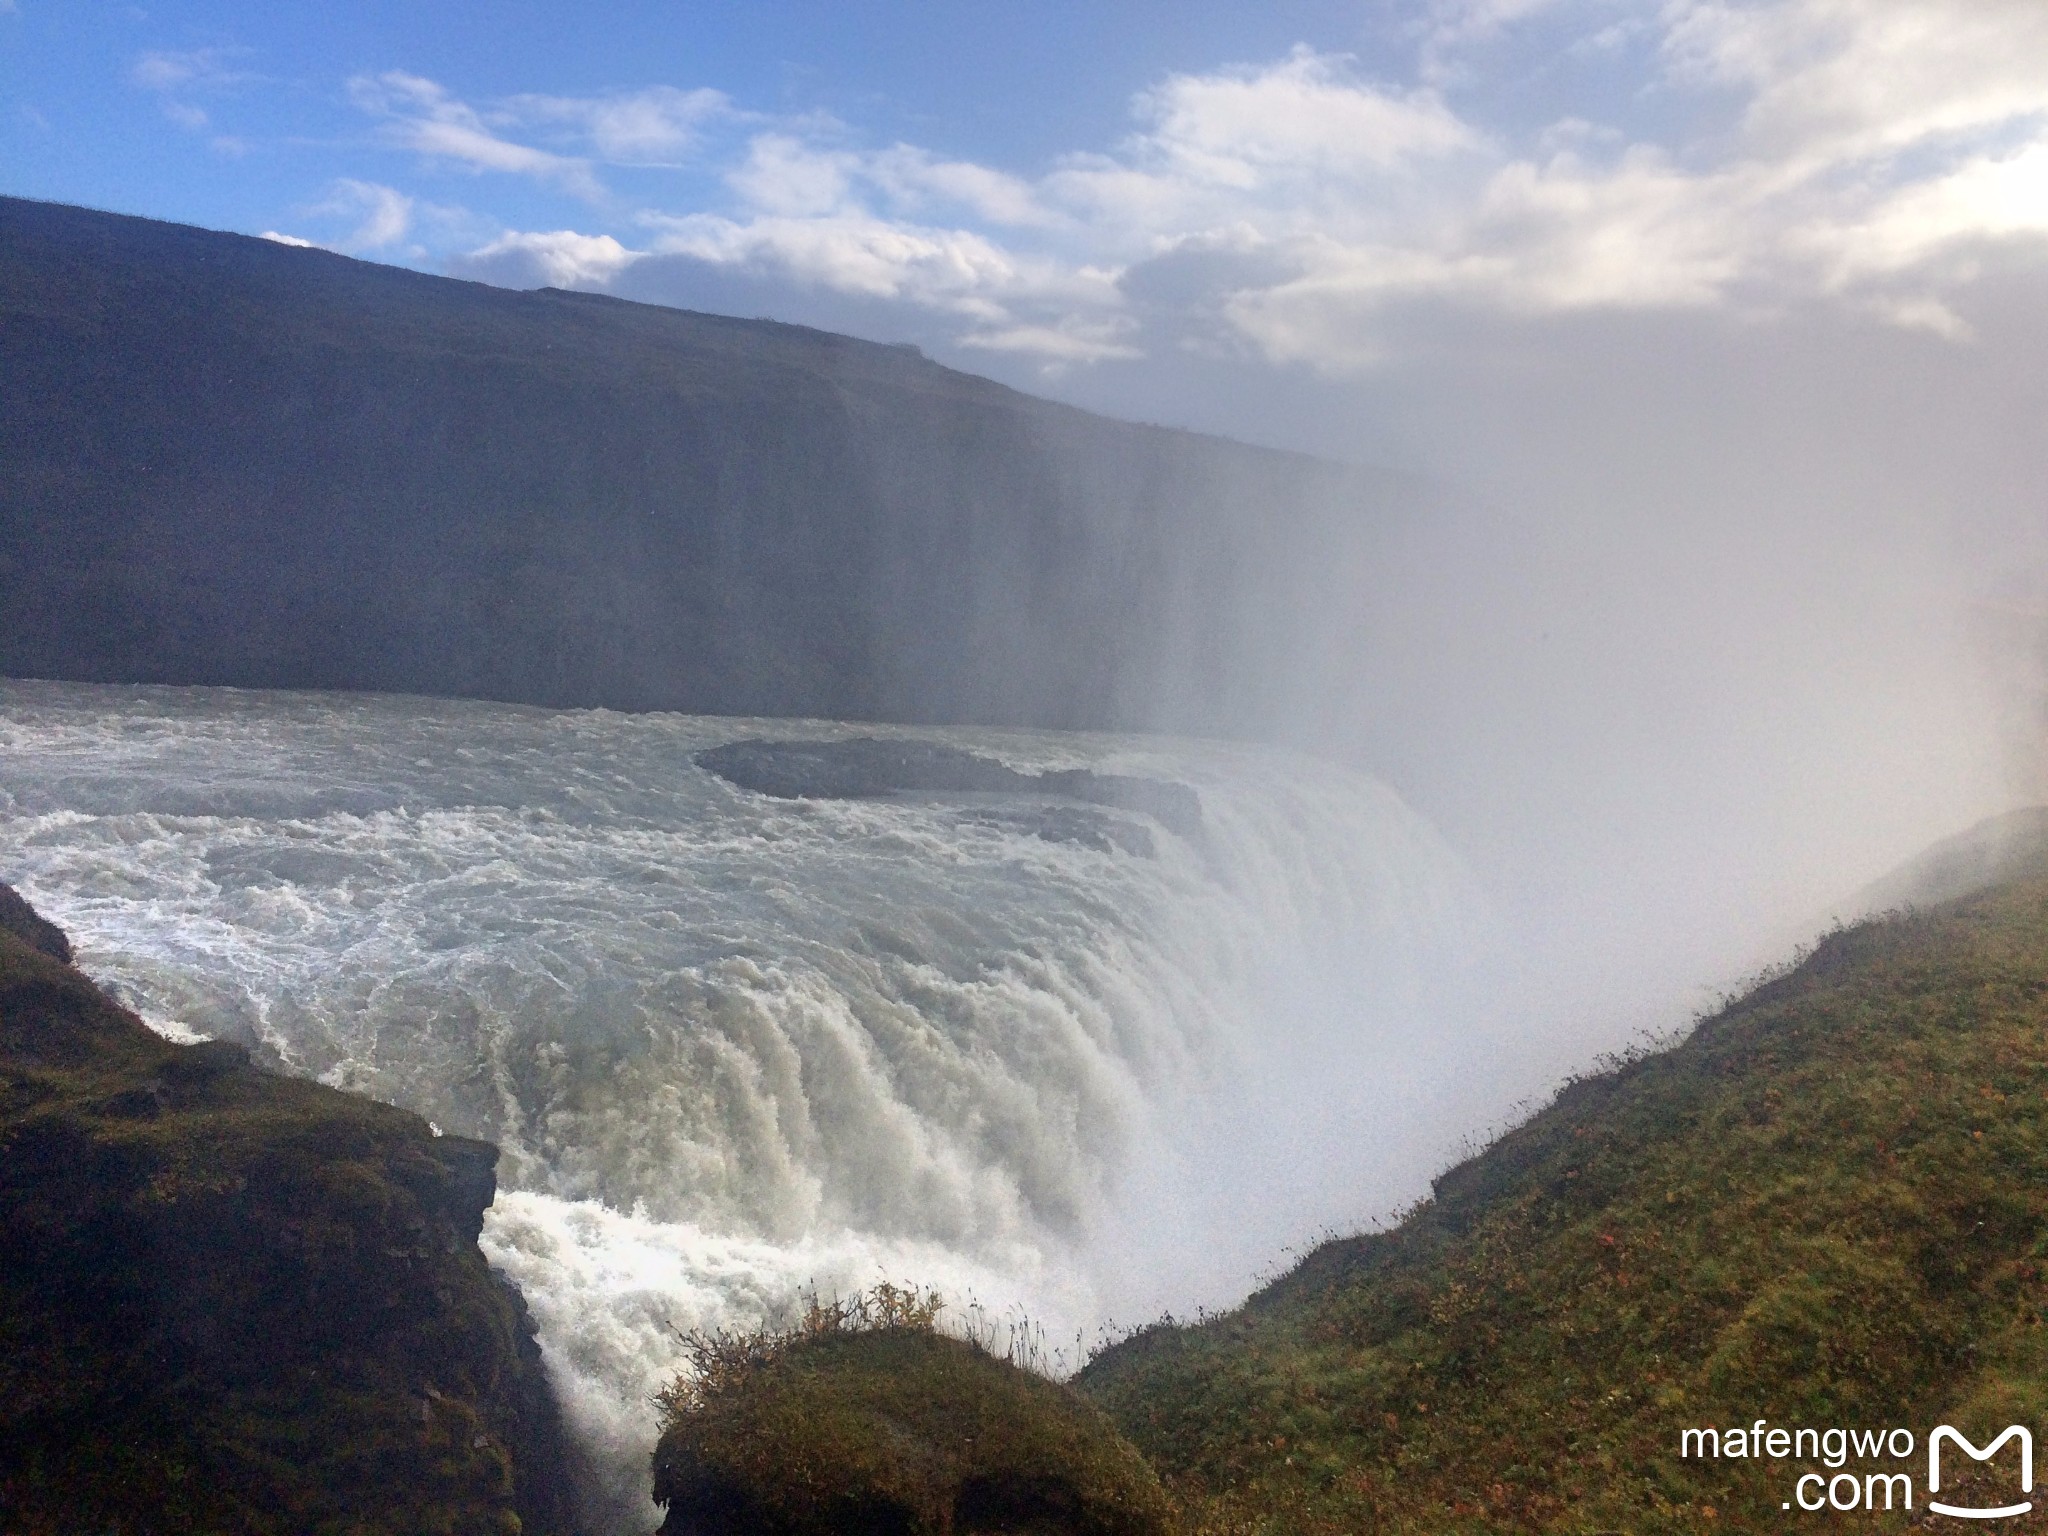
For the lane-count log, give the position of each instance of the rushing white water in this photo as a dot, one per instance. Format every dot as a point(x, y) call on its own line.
point(733, 1045)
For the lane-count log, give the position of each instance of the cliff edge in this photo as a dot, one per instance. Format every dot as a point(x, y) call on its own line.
point(238, 1303)
point(228, 461)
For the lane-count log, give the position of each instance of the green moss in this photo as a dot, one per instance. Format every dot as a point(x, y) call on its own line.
point(238, 1303)
point(1827, 1207)
point(870, 1420)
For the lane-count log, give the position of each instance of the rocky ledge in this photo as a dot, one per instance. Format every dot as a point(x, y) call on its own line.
point(239, 1303)
point(866, 767)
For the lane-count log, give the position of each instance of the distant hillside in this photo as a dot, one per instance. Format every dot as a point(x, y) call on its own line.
point(1826, 1209)
point(1987, 854)
point(224, 460)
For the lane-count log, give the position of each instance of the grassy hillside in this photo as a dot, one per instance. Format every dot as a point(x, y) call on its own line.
point(1827, 1208)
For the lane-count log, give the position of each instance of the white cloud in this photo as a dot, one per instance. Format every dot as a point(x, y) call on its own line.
point(368, 218)
point(382, 215)
point(1298, 147)
point(1637, 234)
point(1296, 138)
point(420, 115)
point(284, 239)
point(1924, 314)
point(854, 253)
point(1070, 341)
point(1459, 39)
point(1303, 116)
point(1000, 300)
point(1455, 22)
point(1831, 81)
point(1881, 146)
point(1540, 239)
point(875, 224)
point(1983, 199)
point(783, 175)
point(660, 126)
point(169, 71)
point(911, 177)
point(559, 258)
point(177, 77)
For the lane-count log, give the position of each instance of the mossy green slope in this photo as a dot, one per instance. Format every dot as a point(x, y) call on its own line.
point(238, 1303)
point(895, 1431)
point(1827, 1207)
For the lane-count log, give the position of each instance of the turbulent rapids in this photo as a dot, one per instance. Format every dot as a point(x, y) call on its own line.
point(1073, 1059)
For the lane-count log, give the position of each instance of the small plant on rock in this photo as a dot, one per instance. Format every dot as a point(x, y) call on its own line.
point(864, 1416)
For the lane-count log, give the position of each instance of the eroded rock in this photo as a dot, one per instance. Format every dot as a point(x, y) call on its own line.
point(240, 1303)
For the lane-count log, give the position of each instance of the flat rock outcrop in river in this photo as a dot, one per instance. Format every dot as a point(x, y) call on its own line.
point(865, 767)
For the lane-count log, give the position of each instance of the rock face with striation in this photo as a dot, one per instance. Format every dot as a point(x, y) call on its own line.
point(224, 460)
point(243, 1304)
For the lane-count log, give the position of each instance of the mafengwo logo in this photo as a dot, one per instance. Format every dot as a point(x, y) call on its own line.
point(1842, 1489)
point(1943, 1433)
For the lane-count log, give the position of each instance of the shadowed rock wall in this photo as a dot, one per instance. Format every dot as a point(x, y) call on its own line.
point(243, 1304)
point(224, 460)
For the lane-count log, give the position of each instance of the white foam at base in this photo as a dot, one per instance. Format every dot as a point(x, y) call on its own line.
point(612, 1295)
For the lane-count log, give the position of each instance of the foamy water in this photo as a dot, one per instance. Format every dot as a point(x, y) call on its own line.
point(733, 1046)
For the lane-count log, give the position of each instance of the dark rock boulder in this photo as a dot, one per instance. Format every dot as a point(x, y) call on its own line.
point(31, 927)
point(238, 1303)
point(866, 767)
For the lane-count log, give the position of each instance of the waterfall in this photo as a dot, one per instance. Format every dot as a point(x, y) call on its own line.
point(1068, 1061)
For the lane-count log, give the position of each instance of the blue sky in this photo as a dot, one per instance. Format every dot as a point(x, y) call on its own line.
point(1013, 85)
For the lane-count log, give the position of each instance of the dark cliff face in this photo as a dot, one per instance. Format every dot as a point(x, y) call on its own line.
point(223, 460)
point(31, 927)
point(239, 1303)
